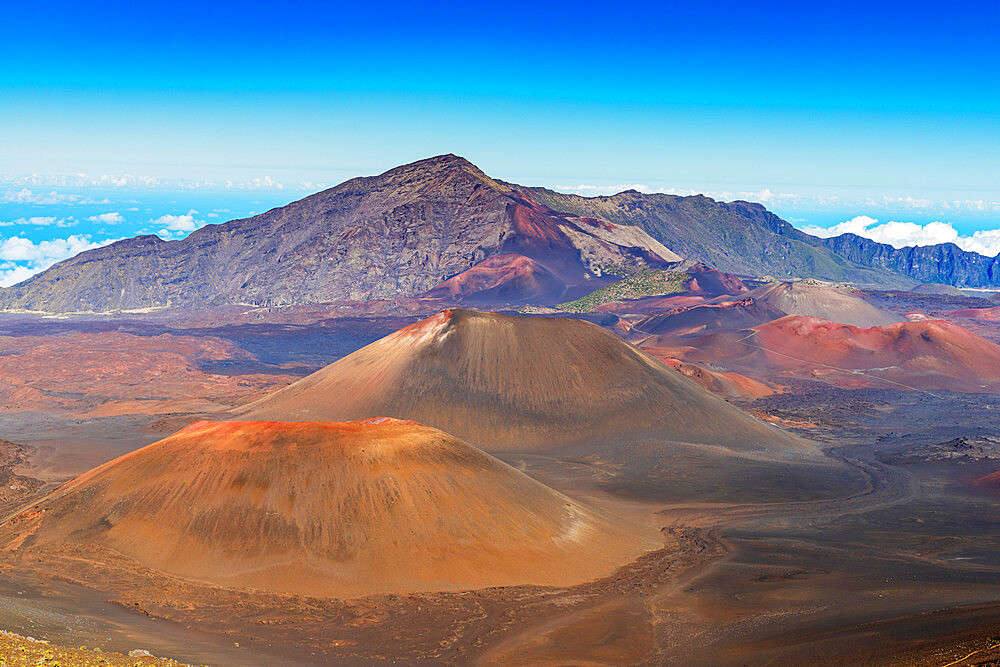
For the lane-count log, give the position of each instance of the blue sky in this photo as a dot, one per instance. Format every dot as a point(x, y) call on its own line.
point(201, 112)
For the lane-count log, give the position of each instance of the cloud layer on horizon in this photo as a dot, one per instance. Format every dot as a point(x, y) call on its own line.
point(903, 234)
point(21, 258)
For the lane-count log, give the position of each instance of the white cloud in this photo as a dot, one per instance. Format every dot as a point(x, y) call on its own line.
point(903, 234)
point(18, 248)
point(175, 226)
point(265, 183)
point(12, 274)
point(23, 258)
point(584, 188)
point(764, 196)
point(28, 196)
point(31, 182)
point(985, 242)
point(40, 221)
point(80, 181)
point(108, 218)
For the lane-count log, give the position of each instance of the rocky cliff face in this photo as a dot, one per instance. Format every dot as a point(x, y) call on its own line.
point(396, 234)
point(736, 237)
point(943, 263)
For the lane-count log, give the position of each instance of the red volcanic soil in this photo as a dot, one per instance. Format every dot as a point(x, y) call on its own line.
point(547, 256)
point(932, 354)
point(725, 315)
point(990, 482)
point(326, 509)
point(522, 383)
point(721, 383)
point(710, 281)
point(570, 247)
point(922, 355)
point(107, 373)
point(989, 314)
point(502, 279)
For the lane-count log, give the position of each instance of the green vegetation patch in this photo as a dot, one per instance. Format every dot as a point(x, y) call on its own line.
point(650, 282)
point(18, 651)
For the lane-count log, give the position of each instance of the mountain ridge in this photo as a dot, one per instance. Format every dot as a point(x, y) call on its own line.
point(736, 237)
point(409, 230)
point(396, 234)
point(943, 263)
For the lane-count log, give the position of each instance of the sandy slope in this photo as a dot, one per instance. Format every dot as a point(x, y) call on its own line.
point(328, 509)
point(524, 384)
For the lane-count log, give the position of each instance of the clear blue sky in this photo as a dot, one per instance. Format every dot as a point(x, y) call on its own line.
point(890, 110)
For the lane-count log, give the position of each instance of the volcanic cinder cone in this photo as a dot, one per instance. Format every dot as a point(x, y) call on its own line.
point(731, 315)
point(927, 355)
point(825, 301)
point(988, 314)
point(502, 279)
point(328, 509)
point(522, 384)
point(990, 482)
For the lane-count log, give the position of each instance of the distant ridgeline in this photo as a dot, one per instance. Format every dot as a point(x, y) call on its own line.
point(441, 228)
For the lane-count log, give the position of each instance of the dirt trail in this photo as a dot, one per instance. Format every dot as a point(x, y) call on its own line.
point(887, 486)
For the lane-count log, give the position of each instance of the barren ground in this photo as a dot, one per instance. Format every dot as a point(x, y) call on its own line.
point(904, 569)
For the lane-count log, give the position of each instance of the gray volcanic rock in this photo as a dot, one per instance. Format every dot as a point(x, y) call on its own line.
point(397, 234)
point(942, 263)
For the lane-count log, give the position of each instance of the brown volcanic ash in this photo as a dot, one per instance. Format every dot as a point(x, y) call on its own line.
point(112, 372)
point(830, 303)
point(328, 509)
point(525, 384)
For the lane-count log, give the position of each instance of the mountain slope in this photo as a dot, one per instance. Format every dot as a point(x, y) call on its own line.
point(942, 263)
point(524, 386)
point(736, 237)
point(836, 304)
point(729, 315)
point(397, 234)
point(520, 383)
point(764, 304)
point(501, 279)
point(413, 228)
point(327, 509)
point(931, 354)
point(924, 356)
